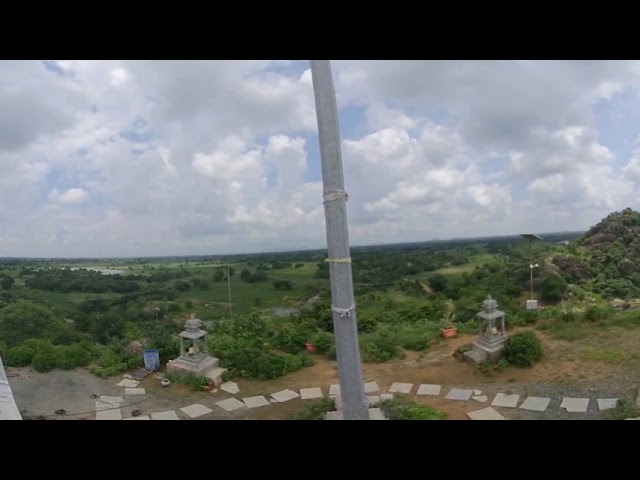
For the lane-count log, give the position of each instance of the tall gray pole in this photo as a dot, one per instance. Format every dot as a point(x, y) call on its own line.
point(345, 326)
point(229, 288)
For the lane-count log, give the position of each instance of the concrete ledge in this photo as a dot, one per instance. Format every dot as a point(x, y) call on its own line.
point(8, 408)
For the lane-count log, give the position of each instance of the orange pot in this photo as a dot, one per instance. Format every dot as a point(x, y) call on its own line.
point(310, 348)
point(449, 332)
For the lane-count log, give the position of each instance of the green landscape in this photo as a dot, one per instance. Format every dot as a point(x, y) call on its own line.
point(263, 309)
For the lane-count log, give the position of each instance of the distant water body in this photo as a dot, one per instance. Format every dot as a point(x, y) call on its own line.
point(104, 271)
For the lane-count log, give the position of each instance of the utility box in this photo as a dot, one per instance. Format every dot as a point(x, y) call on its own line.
point(532, 304)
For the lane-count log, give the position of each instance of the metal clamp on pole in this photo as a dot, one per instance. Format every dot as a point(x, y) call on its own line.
point(343, 312)
point(331, 195)
point(338, 260)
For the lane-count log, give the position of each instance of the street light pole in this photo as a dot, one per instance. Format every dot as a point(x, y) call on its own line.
point(354, 400)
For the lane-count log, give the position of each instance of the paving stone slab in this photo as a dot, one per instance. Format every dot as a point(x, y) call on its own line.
point(459, 394)
point(113, 414)
point(310, 393)
point(168, 415)
point(115, 401)
point(401, 387)
point(255, 402)
point(505, 400)
point(334, 389)
point(485, 414)
point(104, 406)
point(427, 389)
point(285, 395)
point(128, 383)
point(477, 392)
point(141, 417)
point(376, 414)
point(336, 415)
point(135, 391)
point(230, 387)
point(480, 398)
point(371, 387)
point(535, 404)
point(230, 404)
point(607, 403)
point(373, 400)
point(575, 405)
point(196, 410)
point(386, 396)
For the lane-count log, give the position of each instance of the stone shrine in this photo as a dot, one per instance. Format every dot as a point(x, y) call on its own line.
point(490, 342)
point(195, 360)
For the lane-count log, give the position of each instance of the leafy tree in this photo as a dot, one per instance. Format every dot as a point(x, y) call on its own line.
point(22, 320)
point(218, 276)
point(245, 275)
point(6, 282)
point(20, 356)
point(182, 286)
point(282, 285)
point(553, 286)
point(438, 283)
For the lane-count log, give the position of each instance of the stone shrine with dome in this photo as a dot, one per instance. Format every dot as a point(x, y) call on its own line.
point(492, 334)
point(194, 359)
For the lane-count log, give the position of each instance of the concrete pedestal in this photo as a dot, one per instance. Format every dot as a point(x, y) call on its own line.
point(486, 351)
point(198, 365)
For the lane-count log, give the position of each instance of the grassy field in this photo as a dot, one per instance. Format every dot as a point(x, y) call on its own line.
point(210, 303)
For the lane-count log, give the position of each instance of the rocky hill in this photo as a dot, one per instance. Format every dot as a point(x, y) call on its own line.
point(607, 256)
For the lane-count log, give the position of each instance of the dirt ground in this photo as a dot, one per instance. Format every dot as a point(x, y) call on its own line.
point(567, 369)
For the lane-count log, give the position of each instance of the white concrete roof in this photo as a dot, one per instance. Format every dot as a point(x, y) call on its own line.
point(8, 407)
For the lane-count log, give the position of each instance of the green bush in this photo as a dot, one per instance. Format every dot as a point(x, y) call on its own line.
point(109, 363)
point(45, 361)
point(625, 408)
point(3, 348)
point(415, 343)
point(306, 359)
point(378, 349)
point(291, 339)
point(39, 346)
point(221, 345)
point(316, 410)
point(323, 341)
point(594, 312)
point(65, 361)
point(523, 349)
point(20, 356)
point(291, 362)
point(253, 363)
point(397, 409)
point(570, 316)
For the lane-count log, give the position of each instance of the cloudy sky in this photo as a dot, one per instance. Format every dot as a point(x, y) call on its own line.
point(136, 158)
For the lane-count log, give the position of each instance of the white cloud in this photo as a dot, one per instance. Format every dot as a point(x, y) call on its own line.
point(184, 157)
point(72, 196)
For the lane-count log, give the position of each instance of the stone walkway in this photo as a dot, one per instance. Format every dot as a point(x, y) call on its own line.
point(109, 408)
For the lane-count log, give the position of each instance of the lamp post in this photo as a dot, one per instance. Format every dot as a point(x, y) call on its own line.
point(531, 304)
